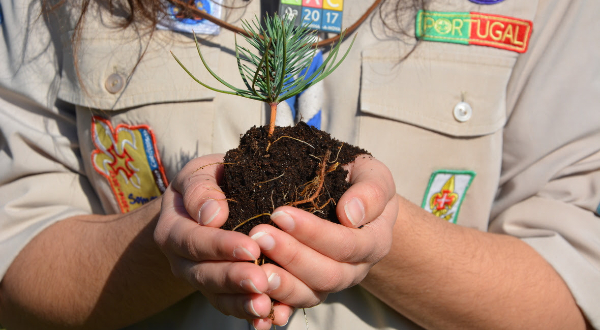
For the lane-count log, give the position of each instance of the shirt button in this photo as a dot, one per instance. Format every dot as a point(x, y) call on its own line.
point(463, 112)
point(114, 83)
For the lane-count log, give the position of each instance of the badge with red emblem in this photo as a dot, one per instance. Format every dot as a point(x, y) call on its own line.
point(127, 157)
point(446, 192)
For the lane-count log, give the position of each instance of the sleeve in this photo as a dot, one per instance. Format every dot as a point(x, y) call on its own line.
point(41, 181)
point(550, 184)
point(560, 224)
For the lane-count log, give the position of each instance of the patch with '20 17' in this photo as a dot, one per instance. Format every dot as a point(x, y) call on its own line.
point(126, 155)
point(471, 28)
point(445, 193)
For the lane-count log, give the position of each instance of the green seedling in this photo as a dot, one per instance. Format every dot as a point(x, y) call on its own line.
point(274, 72)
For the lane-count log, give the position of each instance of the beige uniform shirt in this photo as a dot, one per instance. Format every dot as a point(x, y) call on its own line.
point(485, 137)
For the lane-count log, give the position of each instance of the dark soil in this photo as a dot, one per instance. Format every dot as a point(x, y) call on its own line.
point(265, 173)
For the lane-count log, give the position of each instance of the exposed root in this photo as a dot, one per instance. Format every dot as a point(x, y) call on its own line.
point(320, 178)
point(315, 212)
point(315, 157)
point(319, 209)
point(217, 190)
point(325, 204)
point(333, 167)
point(272, 312)
point(224, 199)
point(248, 220)
point(260, 261)
point(219, 163)
point(309, 187)
point(289, 137)
point(272, 203)
point(338, 153)
point(305, 318)
point(329, 194)
point(282, 174)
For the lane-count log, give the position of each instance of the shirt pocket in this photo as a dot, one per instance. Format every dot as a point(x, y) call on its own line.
point(110, 77)
point(408, 121)
point(424, 89)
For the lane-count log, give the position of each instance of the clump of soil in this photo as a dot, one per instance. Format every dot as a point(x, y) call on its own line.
point(299, 166)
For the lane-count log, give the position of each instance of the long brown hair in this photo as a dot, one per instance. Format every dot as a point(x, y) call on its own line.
point(144, 15)
point(397, 14)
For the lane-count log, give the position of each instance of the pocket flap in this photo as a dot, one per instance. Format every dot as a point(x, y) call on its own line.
point(424, 89)
point(107, 62)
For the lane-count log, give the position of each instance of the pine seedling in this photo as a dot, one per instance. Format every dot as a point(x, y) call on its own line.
point(278, 69)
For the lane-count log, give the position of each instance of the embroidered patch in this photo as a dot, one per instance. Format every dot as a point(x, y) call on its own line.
point(322, 15)
point(486, 2)
point(177, 21)
point(446, 192)
point(127, 157)
point(474, 29)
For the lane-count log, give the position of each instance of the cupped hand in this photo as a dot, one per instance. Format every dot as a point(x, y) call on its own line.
point(213, 261)
point(317, 257)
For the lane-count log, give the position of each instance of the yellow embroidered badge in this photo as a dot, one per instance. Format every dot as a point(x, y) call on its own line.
point(446, 192)
point(127, 157)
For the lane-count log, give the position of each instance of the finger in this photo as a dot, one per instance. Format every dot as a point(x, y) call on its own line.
point(319, 272)
point(289, 290)
point(249, 307)
point(280, 315)
point(177, 234)
point(333, 240)
point(372, 187)
point(262, 324)
point(199, 243)
point(203, 199)
point(221, 277)
point(340, 243)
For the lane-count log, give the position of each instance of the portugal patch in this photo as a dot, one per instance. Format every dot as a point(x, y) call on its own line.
point(474, 29)
point(446, 192)
point(127, 157)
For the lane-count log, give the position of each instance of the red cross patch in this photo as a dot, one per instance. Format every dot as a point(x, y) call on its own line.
point(446, 192)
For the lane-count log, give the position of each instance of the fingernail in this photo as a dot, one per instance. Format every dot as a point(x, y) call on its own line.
point(264, 240)
point(274, 281)
point(249, 308)
point(355, 211)
point(242, 253)
point(265, 322)
point(283, 220)
point(247, 284)
point(209, 210)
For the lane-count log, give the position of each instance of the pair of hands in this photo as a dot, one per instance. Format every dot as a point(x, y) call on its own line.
point(316, 257)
